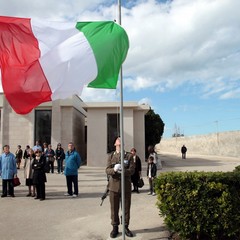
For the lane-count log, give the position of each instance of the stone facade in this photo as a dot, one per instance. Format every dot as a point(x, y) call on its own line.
point(133, 124)
point(70, 118)
point(68, 124)
point(15, 129)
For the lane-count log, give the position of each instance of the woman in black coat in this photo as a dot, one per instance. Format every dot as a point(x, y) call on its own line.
point(60, 156)
point(138, 168)
point(39, 175)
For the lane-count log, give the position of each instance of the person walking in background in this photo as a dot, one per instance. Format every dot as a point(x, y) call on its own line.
point(151, 174)
point(156, 159)
point(72, 164)
point(39, 176)
point(49, 155)
point(8, 169)
point(19, 155)
point(26, 152)
point(183, 151)
point(113, 170)
point(28, 173)
point(138, 168)
point(60, 156)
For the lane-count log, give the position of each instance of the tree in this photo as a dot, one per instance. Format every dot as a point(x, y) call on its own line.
point(154, 128)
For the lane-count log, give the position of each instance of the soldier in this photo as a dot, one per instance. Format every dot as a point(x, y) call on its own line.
point(114, 171)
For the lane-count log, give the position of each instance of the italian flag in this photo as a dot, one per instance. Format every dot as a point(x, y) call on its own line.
point(42, 61)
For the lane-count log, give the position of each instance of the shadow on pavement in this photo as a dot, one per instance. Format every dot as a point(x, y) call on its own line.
point(156, 229)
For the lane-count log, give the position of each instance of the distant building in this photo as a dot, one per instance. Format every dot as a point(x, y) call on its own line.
point(91, 126)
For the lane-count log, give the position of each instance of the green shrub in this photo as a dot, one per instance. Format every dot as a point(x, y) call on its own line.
point(200, 205)
point(237, 169)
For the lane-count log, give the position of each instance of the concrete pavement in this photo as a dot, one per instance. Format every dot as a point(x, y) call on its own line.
point(196, 162)
point(63, 218)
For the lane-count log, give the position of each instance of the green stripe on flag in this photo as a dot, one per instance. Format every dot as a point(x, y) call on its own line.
point(110, 44)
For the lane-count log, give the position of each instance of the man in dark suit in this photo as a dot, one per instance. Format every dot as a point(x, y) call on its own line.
point(113, 170)
point(138, 168)
point(183, 151)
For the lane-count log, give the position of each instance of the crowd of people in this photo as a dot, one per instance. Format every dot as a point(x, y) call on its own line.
point(47, 151)
point(38, 161)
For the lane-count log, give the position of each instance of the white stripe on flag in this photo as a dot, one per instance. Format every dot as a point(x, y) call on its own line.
point(67, 60)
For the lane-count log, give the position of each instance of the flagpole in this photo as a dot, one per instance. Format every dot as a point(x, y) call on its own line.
point(122, 137)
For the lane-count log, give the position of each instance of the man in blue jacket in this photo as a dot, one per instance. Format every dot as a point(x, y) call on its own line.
point(72, 163)
point(8, 169)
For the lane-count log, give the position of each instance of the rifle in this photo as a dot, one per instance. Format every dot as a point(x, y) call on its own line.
point(104, 195)
point(105, 192)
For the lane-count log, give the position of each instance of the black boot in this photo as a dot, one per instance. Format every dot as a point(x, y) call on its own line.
point(128, 232)
point(114, 232)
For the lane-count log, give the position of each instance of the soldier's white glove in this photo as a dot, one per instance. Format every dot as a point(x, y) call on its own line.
point(117, 167)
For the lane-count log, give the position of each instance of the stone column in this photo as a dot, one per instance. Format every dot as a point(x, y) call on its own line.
point(56, 123)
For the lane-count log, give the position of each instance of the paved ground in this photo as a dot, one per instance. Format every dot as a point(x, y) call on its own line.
point(63, 218)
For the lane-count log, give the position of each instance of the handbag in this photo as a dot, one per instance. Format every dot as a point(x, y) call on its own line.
point(16, 181)
point(140, 183)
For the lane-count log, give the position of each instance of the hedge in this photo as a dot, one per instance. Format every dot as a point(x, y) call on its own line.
point(200, 205)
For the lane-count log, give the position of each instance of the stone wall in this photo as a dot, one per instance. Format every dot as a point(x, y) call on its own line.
point(16, 129)
point(220, 144)
point(78, 126)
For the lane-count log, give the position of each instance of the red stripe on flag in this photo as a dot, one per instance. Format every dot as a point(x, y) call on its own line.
point(24, 83)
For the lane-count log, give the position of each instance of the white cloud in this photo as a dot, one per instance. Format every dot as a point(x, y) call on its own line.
point(51, 9)
point(99, 95)
point(191, 41)
point(173, 43)
point(231, 94)
point(146, 101)
point(138, 83)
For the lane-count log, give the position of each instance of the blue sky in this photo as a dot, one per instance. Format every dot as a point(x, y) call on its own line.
point(183, 59)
